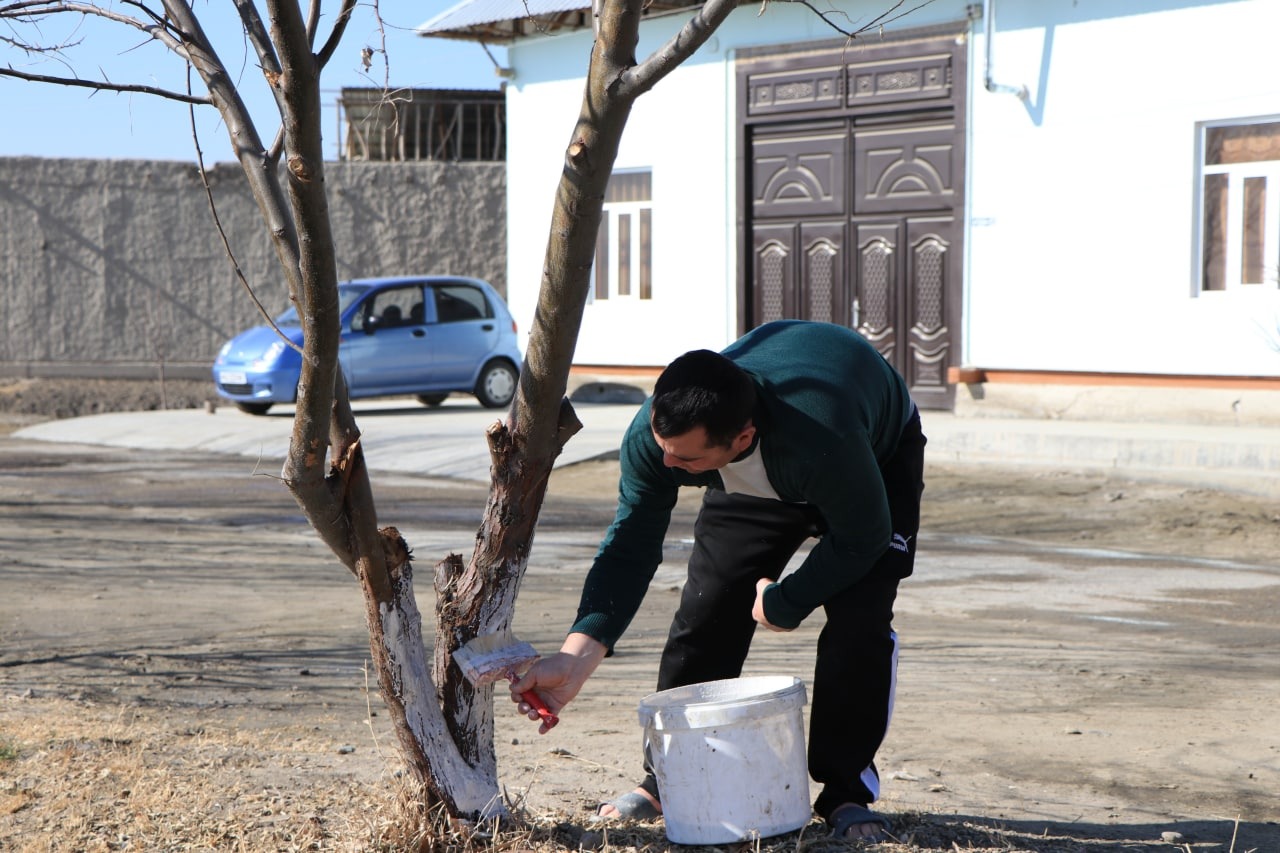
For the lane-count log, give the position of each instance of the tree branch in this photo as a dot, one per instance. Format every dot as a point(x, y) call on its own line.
point(888, 16)
point(31, 11)
point(106, 86)
point(313, 21)
point(680, 47)
point(258, 36)
point(339, 29)
point(226, 243)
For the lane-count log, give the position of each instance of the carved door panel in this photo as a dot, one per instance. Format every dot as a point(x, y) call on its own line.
point(799, 206)
point(904, 196)
point(933, 264)
point(799, 272)
point(774, 258)
point(905, 167)
point(903, 271)
point(878, 288)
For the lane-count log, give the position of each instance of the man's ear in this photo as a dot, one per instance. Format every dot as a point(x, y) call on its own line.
point(743, 439)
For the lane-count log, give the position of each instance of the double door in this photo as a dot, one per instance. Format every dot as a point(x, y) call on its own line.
point(853, 196)
point(856, 226)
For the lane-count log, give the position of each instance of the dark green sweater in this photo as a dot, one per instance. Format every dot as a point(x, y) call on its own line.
point(829, 413)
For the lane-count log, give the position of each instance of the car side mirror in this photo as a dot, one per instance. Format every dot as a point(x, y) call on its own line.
point(371, 324)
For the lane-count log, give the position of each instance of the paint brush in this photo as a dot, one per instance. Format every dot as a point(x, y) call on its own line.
point(492, 657)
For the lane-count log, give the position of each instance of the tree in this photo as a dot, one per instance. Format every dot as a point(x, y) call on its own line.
point(444, 725)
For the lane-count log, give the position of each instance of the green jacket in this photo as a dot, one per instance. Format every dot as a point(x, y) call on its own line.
point(829, 413)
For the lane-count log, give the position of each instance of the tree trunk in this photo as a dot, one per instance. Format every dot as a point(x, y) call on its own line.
point(444, 726)
point(480, 598)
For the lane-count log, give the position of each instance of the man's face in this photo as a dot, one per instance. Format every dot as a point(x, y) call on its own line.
point(690, 452)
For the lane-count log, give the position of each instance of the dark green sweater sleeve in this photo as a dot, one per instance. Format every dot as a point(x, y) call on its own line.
point(846, 486)
point(632, 548)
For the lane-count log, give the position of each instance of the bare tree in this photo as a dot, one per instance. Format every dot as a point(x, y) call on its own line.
point(444, 725)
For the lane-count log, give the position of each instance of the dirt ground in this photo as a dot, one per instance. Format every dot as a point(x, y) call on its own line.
point(1087, 663)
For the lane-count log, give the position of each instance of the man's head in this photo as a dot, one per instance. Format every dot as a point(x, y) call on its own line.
point(701, 411)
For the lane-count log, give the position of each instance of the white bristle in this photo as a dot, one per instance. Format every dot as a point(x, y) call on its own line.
point(491, 657)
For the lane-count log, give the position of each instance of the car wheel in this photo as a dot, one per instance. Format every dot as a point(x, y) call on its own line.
point(254, 408)
point(431, 400)
point(497, 384)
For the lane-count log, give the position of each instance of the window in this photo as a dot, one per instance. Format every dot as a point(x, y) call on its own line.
point(389, 309)
point(624, 246)
point(458, 302)
point(1239, 215)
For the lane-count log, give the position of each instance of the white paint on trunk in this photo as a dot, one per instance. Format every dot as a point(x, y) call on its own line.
point(472, 791)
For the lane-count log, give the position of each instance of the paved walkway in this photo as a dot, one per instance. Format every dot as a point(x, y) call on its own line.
point(449, 441)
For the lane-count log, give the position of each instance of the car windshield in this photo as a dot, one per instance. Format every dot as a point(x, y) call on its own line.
point(347, 294)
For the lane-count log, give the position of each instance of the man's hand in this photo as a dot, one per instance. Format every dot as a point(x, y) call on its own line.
point(757, 610)
point(557, 679)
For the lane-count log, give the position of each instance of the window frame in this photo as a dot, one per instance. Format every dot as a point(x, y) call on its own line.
point(635, 247)
point(1237, 175)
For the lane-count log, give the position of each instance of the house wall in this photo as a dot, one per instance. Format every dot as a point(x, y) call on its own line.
point(1081, 253)
point(1079, 241)
point(684, 130)
point(109, 267)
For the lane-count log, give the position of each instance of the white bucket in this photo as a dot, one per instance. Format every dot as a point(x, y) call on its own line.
point(729, 757)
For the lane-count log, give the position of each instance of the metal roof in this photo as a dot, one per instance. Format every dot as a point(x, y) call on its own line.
point(506, 20)
point(494, 21)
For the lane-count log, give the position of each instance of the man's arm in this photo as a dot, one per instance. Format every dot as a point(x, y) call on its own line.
point(632, 547)
point(849, 491)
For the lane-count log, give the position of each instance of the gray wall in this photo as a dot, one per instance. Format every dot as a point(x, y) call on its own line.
point(111, 267)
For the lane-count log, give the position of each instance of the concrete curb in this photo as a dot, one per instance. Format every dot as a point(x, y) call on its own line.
point(449, 441)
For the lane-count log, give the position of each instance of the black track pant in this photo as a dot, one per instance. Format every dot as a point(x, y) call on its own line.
point(738, 540)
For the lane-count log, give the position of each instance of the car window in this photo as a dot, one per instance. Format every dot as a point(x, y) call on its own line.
point(457, 302)
point(391, 308)
point(347, 294)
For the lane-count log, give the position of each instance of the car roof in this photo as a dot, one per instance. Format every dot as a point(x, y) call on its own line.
point(412, 279)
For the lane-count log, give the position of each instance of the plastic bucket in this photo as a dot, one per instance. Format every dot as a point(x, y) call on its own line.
point(729, 757)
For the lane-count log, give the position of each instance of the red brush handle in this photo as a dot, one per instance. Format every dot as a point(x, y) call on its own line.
point(535, 702)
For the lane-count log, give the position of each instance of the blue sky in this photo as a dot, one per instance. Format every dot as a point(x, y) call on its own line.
point(57, 121)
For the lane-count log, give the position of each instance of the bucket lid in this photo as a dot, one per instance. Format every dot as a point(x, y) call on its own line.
point(718, 703)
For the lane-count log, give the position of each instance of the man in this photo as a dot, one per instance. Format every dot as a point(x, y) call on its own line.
point(796, 430)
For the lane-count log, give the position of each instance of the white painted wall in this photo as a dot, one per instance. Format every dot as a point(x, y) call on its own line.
point(684, 131)
point(1081, 199)
point(1079, 250)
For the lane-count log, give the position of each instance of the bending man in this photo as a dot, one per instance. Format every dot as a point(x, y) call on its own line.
point(796, 430)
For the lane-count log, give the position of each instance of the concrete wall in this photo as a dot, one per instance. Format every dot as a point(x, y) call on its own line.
point(110, 267)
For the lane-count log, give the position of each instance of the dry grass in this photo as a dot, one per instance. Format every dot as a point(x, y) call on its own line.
point(78, 776)
point(86, 778)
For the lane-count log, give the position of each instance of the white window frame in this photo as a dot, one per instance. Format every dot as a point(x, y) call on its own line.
point(1236, 174)
point(610, 223)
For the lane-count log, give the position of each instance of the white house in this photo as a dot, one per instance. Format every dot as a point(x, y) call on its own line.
point(1043, 192)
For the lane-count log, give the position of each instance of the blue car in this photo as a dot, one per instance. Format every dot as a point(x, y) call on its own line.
point(426, 336)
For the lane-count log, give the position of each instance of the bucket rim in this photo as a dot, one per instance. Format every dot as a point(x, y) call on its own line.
point(790, 689)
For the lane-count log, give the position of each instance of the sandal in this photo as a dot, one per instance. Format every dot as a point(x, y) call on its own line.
point(630, 806)
point(849, 815)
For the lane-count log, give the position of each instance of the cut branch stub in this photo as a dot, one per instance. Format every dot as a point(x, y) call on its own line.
point(398, 554)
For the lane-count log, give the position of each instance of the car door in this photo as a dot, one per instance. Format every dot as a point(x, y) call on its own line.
point(464, 334)
point(386, 347)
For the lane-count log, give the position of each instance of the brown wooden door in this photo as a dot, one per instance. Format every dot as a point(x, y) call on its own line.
point(853, 192)
point(855, 225)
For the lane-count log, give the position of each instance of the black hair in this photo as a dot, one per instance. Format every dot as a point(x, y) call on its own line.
point(703, 389)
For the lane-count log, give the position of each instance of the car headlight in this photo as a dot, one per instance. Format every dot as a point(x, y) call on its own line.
point(269, 356)
point(226, 348)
